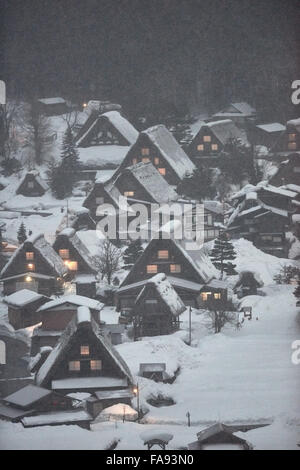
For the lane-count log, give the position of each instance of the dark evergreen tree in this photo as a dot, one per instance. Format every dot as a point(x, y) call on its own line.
point(22, 233)
point(182, 133)
point(56, 180)
point(132, 253)
point(222, 254)
point(197, 185)
point(237, 162)
point(70, 161)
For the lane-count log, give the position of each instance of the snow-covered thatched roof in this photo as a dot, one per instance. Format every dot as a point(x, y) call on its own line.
point(79, 247)
point(27, 396)
point(225, 130)
point(272, 127)
point(35, 175)
point(78, 300)
point(83, 319)
point(55, 100)
point(241, 108)
point(22, 297)
point(170, 149)
point(165, 291)
point(295, 123)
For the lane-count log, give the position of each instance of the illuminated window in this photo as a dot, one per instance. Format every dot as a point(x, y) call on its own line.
point(64, 254)
point(292, 146)
point(28, 278)
point(99, 200)
point(96, 365)
point(156, 161)
point(84, 350)
point(277, 239)
point(145, 160)
point(204, 296)
point(214, 146)
point(200, 147)
point(134, 161)
point(162, 171)
point(72, 265)
point(292, 137)
point(152, 268)
point(128, 193)
point(207, 138)
point(145, 151)
point(29, 255)
point(31, 266)
point(175, 268)
point(163, 254)
point(30, 184)
point(151, 301)
point(217, 296)
point(74, 365)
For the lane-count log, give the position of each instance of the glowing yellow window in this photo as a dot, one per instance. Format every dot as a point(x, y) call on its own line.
point(128, 193)
point(163, 254)
point(96, 365)
point(217, 295)
point(74, 365)
point(162, 171)
point(175, 268)
point(156, 161)
point(204, 296)
point(134, 161)
point(84, 350)
point(292, 145)
point(214, 146)
point(145, 160)
point(207, 138)
point(63, 253)
point(152, 268)
point(200, 147)
point(145, 151)
point(72, 265)
point(31, 266)
point(292, 137)
point(29, 255)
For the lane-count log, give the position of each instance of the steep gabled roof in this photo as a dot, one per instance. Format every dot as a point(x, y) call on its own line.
point(78, 300)
point(35, 174)
point(83, 319)
point(78, 247)
point(166, 293)
point(242, 108)
point(225, 130)
point(170, 149)
point(272, 127)
point(46, 251)
point(295, 123)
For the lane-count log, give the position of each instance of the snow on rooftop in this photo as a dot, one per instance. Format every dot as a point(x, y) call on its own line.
point(22, 297)
point(100, 155)
point(27, 396)
point(225, 130)
point(125, 128)
point(83, 315)
point(74, 299)
point(68, 232)
point(272, 127)
point(79, 383)
point(55, 100)
point(156, 434)
point(57, 417)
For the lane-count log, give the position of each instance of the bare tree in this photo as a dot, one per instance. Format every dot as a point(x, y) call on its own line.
point(109, 260)
point(71, 118)
point(10, 117)
point(220, 318)
point(38, 133)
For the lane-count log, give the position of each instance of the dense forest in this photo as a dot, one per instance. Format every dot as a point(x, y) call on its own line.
point(156, 56)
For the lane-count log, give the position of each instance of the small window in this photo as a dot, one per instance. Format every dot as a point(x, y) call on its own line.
point(200, 147)
point(2, 352)
point(31, 267)
point(292, 146)
point(204, 296)
point(214, 147)
point(84, 350)
point(156, 161)
point(145, 151)
point(277, 239)
point(30, 185)
point(29, 255)
point(217, 295)
point(207, 138)
point(64, 253)
point(72, 265)
point(128, 193)
point(175, 268)
point(151, 301)
point(266, 237)
point(96, 365)
point(99, 200)
point(145, 160)
point(163, 254)
point(152, 268)
point(134, 161)
point(292, 137)
point(162, 171)
point(74, 365)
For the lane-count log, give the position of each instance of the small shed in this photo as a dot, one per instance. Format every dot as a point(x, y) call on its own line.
point(156, 437)
point(32, 185)
point(218, 437)
point(114, 332)
point(107, 398)
point(52, 106)
point(86, 285)
point(247, 284)
point(214, 294)
point(23, 306)
point(154, 371)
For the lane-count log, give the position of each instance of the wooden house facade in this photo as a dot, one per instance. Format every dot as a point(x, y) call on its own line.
point(213, 295)
point(23, 306)
point(32, 185)
point(157, 308)
point(241, 113)
point(110, 128)
point(158, 146)
point(83, 220)
point(83, 360)
point(35, 266)
point(269, 135)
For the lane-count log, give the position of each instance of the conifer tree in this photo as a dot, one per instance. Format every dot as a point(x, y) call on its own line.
point(56, 180)
point(132, 253)
point(70, 161)
point(222, 254)
point(22, 233)
point(197, 185)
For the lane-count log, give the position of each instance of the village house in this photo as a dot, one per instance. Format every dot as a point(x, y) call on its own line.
point(154, 371)
point(288, 142)
point(247, 284)
point(52, 106)
point(241, 114)
point(23, 306)
point(55, 316)
point(110, 128)
point(158, 146)
point(214, 295)
point(35, 266)
point(83, 220)
point(218, 437)
point(83, 360)
point(288, 171)
point(211, 139)
point(268, 135)
point(157, 308)
point(32, 185)
point(187, 271)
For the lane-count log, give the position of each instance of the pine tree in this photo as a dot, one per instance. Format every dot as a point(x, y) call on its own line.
point(22, 233)
point(222, 253)
point(132, 253)
point(197, 185)
point(70, 161)
point(56, 180)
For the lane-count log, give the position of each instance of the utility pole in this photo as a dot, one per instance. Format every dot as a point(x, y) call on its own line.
point(137, 392)
point(67, 213)
point(190, 325)
point(188, 415)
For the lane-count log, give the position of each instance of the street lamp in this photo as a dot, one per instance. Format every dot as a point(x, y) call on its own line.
point(136, 391)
